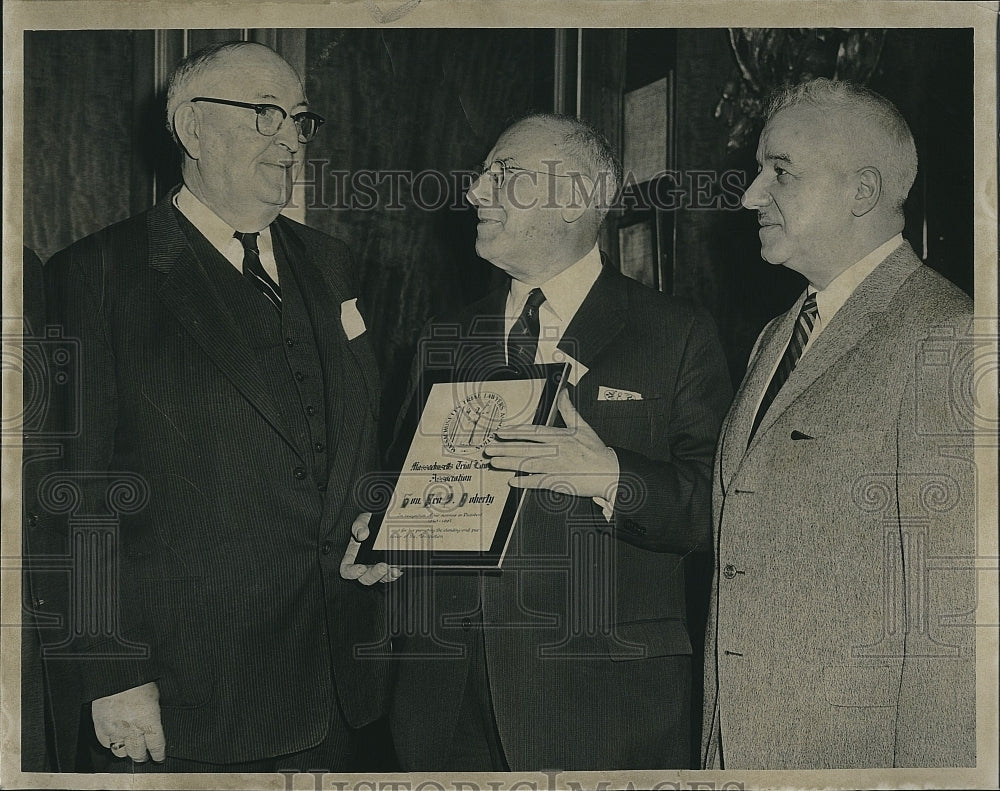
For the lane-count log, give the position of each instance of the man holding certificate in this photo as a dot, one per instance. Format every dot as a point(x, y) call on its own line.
point(575, 654)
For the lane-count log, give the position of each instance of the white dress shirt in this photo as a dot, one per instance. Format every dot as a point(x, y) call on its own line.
point(220, 234)
point(839, 290)
point(564, 294)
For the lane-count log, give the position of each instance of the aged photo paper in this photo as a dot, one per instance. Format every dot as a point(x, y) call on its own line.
point(579, 29)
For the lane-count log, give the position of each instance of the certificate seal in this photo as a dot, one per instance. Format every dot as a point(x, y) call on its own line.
point(469, 427)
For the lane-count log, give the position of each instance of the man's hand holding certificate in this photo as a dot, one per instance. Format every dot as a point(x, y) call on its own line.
point(571, 460)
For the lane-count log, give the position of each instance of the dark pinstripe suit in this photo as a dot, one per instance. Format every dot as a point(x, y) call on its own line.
point(586, 642)
point(229, 573)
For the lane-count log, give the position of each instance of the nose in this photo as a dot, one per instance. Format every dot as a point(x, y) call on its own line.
point(756, 196)
point(288, 136)
point(479, 192)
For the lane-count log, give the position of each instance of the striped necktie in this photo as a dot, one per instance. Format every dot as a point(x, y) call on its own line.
point(522, 341)
point(800, 337)
point(254, 271)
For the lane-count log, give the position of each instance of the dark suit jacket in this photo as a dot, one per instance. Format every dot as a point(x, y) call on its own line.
point(841, 632)
point(586, 643)
point(225, 547)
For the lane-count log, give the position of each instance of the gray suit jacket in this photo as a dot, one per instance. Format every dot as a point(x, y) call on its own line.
point(840, 628)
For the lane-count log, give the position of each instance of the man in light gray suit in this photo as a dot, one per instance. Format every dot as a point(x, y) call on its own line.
point(840, 632)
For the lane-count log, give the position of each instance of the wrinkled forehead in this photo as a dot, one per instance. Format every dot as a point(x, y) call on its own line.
point(804, 132)
point(531, 144)
point(253, 74)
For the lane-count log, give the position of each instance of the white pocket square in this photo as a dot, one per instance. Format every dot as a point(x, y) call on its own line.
point(617, 394)
point(350, 317)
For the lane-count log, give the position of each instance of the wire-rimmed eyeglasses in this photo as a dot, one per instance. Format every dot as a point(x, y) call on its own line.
point(498, 169)
point(270, 117)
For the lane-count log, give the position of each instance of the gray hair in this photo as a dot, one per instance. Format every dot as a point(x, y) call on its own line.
point(183, 77)
point(587, 147)
point(894, 142)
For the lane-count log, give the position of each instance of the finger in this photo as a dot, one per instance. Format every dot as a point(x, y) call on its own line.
point(553, 483)
point(156, 743)
point(530, 433)
point(374, 574)
point(118, 748)
point(135, 746)
point(352, 571)
point(574, 422)
point(360, 527)
point(350, 554)
point(524, 464)
point(103, 735)
point(525, 482)
point(394, 573)
point(523, 449)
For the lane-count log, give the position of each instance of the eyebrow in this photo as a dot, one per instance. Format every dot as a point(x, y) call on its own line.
point(772, 156)
point(272, 97)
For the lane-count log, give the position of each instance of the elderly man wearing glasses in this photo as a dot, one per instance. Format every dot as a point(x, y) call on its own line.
point(576, 655)
point(227, 381)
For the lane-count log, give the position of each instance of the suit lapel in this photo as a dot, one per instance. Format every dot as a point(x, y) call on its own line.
point(770, 346)
point(599, 320)
point(848, 327)
point(315, 284)
point(188, 293)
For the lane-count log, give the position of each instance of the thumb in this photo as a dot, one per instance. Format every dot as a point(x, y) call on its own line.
point(103, 735)
point(359, 530)
point(573, 420)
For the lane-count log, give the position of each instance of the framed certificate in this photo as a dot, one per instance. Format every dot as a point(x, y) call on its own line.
point(448, 507)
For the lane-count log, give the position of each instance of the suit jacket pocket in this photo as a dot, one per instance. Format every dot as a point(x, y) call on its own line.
point(849, 685)
point(648, 639)
point(647, 405)
point(175, 614)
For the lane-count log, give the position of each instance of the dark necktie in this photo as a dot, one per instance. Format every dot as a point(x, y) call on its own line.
point(254, 271)
point(522, 342)
point(800, 337)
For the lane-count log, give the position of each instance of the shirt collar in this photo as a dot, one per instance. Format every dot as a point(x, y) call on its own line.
point(565, 292)
point(216, 230)
point(830, 299)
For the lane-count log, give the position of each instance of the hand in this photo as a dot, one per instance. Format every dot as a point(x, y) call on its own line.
point(570, 460)
point(129, 723)
point(366, 575)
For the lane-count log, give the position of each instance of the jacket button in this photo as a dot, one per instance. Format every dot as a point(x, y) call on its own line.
point(299, 376)
point(326, 548)
point(320, 447)
point(299, 472)
point(310, 410)
point(466, 624)
point(32, 519)
point(289, 342)
point(729, 571)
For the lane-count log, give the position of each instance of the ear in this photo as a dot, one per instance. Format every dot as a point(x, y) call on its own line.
point(572, 213)
point(868, 190)
point(574, 200)
point(187, 129)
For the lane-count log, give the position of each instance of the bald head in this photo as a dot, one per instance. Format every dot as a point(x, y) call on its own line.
point(200, 73)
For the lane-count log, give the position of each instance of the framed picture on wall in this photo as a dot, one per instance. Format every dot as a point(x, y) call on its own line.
point(638, 251)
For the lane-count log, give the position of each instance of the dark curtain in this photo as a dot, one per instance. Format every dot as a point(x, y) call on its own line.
point(427, 105)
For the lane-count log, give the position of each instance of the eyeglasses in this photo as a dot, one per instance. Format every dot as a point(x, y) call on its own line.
point(498, 169)
point(270, 117)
